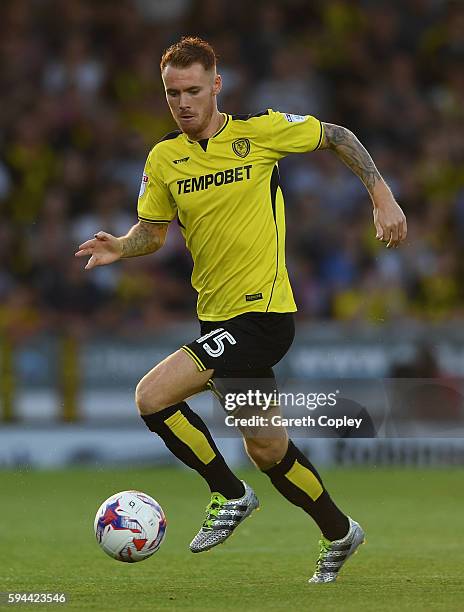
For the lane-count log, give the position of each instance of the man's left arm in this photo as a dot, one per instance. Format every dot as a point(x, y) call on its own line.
point(389, 219)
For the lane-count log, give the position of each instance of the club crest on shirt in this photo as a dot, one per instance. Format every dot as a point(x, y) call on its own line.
point(241, 147)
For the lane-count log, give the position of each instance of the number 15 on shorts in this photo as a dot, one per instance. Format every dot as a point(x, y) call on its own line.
point(217, 336)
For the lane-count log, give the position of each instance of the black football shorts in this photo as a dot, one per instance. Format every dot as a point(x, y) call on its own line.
point(245, 345)
point(243, 350)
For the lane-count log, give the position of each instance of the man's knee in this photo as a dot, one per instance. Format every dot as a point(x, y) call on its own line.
point(170, 382)
point(147, 399)
point(266, 452)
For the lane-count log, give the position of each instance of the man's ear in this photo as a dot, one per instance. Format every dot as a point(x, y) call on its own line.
point(217, 84)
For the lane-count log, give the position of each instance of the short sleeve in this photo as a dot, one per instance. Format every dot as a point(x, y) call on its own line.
point(155, 204)
point(295, 133)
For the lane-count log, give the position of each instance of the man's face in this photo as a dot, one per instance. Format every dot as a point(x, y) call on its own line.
point(191, 95)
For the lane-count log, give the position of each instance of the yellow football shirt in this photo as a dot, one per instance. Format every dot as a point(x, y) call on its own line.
point(225, 193)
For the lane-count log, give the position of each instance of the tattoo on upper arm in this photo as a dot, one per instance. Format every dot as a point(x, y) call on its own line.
point(352, 153)
point(143, 238)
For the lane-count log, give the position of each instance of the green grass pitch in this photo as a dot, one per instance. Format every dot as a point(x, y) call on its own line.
point(412, 559)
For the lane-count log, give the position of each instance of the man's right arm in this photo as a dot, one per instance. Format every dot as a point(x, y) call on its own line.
point(142, 239)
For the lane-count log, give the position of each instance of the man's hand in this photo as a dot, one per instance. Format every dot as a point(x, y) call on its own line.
point(103, 249)
point(142, 239)
point(389, 220)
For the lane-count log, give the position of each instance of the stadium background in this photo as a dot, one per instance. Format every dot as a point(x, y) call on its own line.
point(81, 105)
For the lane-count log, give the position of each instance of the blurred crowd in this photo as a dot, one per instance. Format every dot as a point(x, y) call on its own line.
point(82, 104)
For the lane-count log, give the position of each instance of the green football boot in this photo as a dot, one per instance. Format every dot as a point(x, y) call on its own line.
point(333, 555)
point(222, 517)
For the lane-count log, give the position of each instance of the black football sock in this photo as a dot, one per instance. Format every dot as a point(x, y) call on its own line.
point(188, 438)
point(298, 481)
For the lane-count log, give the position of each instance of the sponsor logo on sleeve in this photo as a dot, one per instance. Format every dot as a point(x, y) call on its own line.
point(143, 185)
point(294, 118)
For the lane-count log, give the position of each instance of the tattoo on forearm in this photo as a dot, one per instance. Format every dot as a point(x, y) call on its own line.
point(141, 240)
point(352, 153)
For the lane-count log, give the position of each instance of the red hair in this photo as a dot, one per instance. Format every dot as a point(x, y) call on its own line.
point(189, 50)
